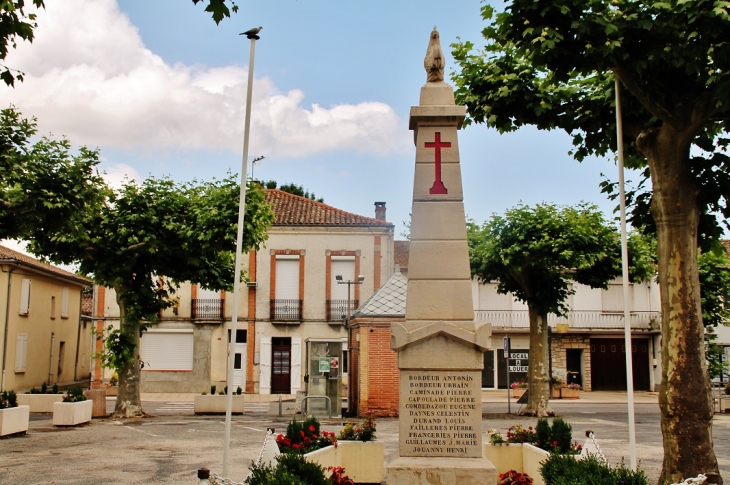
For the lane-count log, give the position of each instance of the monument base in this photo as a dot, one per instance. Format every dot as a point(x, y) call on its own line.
point(440, 471)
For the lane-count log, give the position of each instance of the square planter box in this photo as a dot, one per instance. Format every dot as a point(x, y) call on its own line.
point(14, 420)
point(364, 462)
point(72, 413)
point(565, 393)
point(517, 393)
point(521, 457)
point(40, 403)
point(217, 404)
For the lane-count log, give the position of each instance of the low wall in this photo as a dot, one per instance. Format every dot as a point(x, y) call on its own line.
point(364, 462)
point(39, 403)
point(521, 457)
point(209, 404)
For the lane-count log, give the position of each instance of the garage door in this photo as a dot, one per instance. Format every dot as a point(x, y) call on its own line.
point(167, 350)
point(608, 364)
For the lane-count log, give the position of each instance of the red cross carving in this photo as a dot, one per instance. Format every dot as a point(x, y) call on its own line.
point(438, 186)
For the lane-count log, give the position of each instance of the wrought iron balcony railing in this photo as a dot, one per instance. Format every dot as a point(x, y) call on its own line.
point(337, 309)
point(208, 308)
point(286, 310)
point(576, 319)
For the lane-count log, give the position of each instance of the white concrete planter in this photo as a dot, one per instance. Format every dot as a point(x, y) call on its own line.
point(14, 420)
point(72, 413)
point(521, 457)
point(40, 403)
point(207, 404)
point(364, 462)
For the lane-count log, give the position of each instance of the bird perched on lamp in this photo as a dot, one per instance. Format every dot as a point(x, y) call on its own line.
point(253, 33)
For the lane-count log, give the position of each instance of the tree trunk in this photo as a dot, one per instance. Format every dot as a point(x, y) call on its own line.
point(538, 374)
point(685, 399)
point(129, 402)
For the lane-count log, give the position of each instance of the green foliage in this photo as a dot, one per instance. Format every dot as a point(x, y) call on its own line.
point(44, 388)
point(291, 469)
point(15, 24)
point(239, 391)
point(74, 394)
point(536, 252)
point(212, 390)
point(44, 189)
point(566, 470)
point(8, 399)
point(304, 437)
point(714, 272)
point(561, 436)
point(54, 389)
point(114, 379)
point(292, 188)
point(542, 431)
point(365, 431)
point(218, 9)
point(518, 434)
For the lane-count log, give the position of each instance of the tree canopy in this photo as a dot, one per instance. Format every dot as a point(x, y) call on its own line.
point(292, 188)
point(536, 253)
point(218, 9)
point(553, 64)
point(15, 24)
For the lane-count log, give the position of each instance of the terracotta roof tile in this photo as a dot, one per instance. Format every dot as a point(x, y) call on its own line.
point(293, 210)
point(7, 254)
point(401, 250)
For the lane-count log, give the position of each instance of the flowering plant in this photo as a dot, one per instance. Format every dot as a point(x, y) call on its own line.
point(304, 437)
point(518, 385)
point(338, 476)
point(494, 437)
point(573, 386)
point(365, 431)
point(512, 477)
point(518, 434)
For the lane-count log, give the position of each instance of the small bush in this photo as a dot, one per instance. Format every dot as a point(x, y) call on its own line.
point(54, 389)
point(365, 431)
point(239, 390)
point(33, 390)
point(75, 394)
point(542, 433)
point(562, 436)
point(518, 434)
point(44, 388)
point(494, 437)
point(566, 470)
point(212, 390)
point(114, 379)
point(8, 399)
point(304, 437)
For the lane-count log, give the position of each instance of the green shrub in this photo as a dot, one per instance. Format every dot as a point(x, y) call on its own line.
point(114, 379)
point(566, 470)
point(225, 390)
point(54, 389)
point(75, 394)
point(562, 436)
point(291, 469)
point(44, 388)
point(304, 437)
point(542, 433)
point(8, 399)
point(212, 390)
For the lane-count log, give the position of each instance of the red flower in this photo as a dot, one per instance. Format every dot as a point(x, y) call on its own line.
point(302, 433)
point(312, 429)
point(555, 443)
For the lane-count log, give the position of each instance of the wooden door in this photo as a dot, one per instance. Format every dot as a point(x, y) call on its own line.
point(608, 364)
point(281, 365)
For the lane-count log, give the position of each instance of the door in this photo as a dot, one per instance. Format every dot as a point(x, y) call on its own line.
point(239, 359)
point(573, 358)
point(608, 364)
point(488, 371)
point(281, 365)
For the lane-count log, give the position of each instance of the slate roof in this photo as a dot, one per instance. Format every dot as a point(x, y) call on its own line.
point(293, 210)
point(8, 255)
point(401, 249)
point(388, 301)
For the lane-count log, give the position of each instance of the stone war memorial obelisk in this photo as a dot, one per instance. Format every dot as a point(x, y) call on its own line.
point(440, 347)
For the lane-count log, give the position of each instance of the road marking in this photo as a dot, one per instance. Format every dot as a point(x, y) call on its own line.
point(143, 432)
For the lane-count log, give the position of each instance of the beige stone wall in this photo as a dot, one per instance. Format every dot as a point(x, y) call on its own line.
point(558, 346)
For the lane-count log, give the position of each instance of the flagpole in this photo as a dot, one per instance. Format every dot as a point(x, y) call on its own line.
point(625, 277)
point(239, 257)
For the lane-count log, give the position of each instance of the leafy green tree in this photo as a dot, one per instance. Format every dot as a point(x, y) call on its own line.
point(143, 241)
point(218, 9)
point(292, 188)
point(43, 187)
point(536, 253)
point(552, 64)
point(15, 24)
point(714, 269)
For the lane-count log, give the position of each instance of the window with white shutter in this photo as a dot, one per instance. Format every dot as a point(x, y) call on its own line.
point(287, 278)
point(167, 350)
point(345, 267)
point(24, 297)
point(64, 303)
point(21, 352)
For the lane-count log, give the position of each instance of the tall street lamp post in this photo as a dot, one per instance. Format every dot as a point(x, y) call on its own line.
point(349, 283)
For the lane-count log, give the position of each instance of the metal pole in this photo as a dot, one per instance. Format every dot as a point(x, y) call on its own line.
point(625, 270)
point(350, 377)
point(237, 270)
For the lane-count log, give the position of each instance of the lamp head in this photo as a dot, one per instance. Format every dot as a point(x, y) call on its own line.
point(338, 277)
point(360, 278)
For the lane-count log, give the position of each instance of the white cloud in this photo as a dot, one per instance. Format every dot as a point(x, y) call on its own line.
point(90, 77)
point(116, 175)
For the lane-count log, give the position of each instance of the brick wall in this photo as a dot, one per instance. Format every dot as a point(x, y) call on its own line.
point(378, 380)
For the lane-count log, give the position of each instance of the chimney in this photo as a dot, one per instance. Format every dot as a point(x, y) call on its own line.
point(380, 211)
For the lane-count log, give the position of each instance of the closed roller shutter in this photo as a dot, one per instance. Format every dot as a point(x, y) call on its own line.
point(345, 268)
point(167, 350)
point(287, 279)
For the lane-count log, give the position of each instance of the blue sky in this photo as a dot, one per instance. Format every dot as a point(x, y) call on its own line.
point(159, 88)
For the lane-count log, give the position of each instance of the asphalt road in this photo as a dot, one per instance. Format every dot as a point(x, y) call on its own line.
point(170, 446)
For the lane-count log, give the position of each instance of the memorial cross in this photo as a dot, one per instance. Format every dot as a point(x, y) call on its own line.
point(438, 186)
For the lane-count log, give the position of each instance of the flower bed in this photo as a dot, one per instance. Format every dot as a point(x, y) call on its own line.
point(73, 410)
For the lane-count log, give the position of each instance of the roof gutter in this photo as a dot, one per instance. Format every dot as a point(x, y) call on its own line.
point(79, 280)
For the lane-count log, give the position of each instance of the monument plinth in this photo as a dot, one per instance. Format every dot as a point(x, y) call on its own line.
point(440, 348)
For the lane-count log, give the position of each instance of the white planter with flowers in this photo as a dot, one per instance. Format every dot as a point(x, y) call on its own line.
point(14, 420)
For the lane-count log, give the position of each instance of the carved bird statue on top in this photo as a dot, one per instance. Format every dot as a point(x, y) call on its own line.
point(253, 33)
point(434, 61)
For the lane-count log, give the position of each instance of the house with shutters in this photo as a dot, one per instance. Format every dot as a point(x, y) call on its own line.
point(43, 337)
point(586, 346)
point(290, 334)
